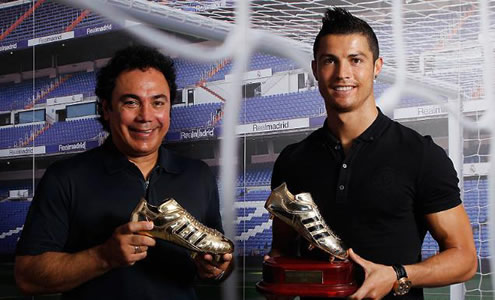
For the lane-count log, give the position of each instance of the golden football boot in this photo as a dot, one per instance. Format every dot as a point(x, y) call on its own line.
point(173, 223)
point(301, 213)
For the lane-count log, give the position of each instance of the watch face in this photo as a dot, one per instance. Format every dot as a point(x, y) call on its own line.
point(403, 286)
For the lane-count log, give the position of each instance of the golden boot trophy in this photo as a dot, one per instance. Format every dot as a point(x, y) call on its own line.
point(296, 276)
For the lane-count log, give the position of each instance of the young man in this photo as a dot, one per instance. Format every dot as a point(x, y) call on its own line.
point(379, 185)
point(78, 239)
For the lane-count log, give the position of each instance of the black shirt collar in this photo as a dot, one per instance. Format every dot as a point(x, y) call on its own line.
point(168, 161)
point(115, 161)
point(376, 128)
point(373, 132)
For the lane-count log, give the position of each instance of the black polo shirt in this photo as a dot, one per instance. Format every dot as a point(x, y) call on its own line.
point(376, 196)
point(80, 201)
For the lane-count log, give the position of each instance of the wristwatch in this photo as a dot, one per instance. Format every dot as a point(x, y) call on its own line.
point(403, 284)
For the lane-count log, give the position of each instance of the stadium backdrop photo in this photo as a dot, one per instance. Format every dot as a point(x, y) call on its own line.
point(245, 91)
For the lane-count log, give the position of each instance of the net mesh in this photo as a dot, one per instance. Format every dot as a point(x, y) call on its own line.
point(442, 46)
point(442, 40)
point(475, 195)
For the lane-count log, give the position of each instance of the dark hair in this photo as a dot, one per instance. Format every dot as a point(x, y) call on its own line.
point(127, 59)
point(340, 21)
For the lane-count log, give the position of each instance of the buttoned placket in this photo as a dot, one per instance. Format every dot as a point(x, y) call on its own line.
point(345, 162)
point(149, 185)
point(345, 168)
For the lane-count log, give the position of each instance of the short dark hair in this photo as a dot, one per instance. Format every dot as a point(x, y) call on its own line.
point(340, 21)
point(127, 59)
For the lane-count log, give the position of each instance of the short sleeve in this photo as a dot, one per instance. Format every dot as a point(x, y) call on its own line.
point(438, 182)
point(46, 226)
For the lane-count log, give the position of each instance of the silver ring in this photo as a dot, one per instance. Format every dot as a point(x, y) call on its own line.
point(137, 249)
point(220, 276)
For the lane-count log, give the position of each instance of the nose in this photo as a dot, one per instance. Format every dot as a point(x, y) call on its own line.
point(343, 70)
point(145, 113)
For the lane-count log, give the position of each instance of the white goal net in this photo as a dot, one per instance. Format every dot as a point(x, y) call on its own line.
point(437, 78)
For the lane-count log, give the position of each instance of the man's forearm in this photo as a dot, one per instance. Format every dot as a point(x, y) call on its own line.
point(457, 260)
point(450, 266)
point(54, 272)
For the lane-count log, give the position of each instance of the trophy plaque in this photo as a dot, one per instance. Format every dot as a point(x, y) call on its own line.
point(291, 276)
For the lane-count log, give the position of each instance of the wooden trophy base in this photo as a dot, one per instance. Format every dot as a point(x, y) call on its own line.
point(290, 276)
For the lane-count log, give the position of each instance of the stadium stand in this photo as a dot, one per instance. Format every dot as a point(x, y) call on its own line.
point(77, 83)
point(194, 116)
point(17, 96)
point(63, 132)
point(257, 245)
point(12, 216)
point(190, 73)
point(20, 95)
point(50, 18)
point(256, 176)
point(253, 227)
point(282, 106)
point(87, 129)
point(257, 109)
point(13, 136)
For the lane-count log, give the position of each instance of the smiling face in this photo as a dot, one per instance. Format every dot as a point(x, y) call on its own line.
point(345, 69)
point(139, 116)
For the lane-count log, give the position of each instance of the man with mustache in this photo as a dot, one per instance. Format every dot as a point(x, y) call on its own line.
point(78, 239)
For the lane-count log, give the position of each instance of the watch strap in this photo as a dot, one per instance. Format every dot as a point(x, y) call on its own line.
point(400, 271)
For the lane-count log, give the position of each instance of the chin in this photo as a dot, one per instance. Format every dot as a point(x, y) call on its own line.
point(340, 108)
point(144, 150)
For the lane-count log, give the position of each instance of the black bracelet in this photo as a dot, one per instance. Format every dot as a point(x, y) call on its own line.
point(400, 271)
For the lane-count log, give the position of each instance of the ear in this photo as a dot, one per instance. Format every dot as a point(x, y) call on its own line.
point(314, 67)
point(378, 66)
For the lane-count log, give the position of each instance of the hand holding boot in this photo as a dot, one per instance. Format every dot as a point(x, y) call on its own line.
point(209, 269)
point(125, 247)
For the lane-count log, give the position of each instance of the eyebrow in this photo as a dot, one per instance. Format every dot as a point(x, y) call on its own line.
point(122, 97)
point(327, 56)
point(359, 53)
point(133, 96)
point(352, 55)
